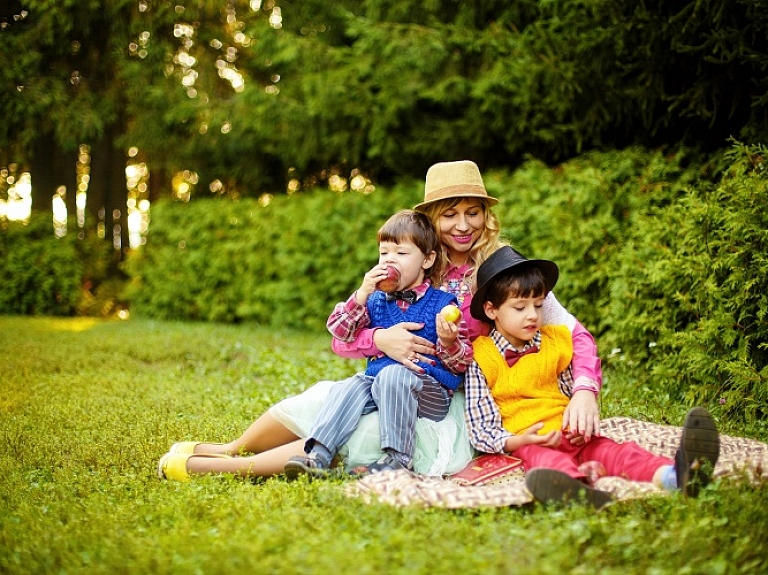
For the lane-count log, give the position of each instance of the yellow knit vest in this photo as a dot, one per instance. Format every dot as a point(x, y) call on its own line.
point(528, 392)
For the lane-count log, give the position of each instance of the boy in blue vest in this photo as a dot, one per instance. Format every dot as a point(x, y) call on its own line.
point(409, 243)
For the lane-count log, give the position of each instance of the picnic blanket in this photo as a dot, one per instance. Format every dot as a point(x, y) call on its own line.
point(739, 456)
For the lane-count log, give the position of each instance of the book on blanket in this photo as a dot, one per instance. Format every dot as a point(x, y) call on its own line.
point(489, 468)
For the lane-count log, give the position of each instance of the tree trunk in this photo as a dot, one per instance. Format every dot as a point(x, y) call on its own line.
point(107, 193)
point(160, 184)
point(50, 168)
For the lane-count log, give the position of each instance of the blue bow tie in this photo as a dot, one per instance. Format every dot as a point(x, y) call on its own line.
point(407, 295)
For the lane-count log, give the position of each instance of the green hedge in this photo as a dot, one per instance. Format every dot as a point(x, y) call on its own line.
point(690, 292)
point(580, 214)
point(284, 264)
point(663, 258)
point(41, 274)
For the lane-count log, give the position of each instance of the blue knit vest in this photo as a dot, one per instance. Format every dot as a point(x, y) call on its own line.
point(385, 314)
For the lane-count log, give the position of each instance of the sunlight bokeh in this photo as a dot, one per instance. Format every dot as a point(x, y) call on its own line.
point(18, 206)
point(137, 204)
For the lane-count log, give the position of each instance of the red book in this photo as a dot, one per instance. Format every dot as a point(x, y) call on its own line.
point(490, 468)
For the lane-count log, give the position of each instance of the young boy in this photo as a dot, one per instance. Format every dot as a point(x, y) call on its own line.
point(514, 404)
point(409, 243)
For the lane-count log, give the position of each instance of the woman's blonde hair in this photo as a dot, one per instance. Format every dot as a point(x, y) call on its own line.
point(488, 242)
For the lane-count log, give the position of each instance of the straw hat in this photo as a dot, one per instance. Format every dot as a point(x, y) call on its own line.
point(503, 260)
point(460, 179)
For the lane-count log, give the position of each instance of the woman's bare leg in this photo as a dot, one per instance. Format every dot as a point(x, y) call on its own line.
point(263, 435)
point(265, 464)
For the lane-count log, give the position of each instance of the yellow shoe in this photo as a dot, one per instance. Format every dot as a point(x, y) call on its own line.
point(187, 447)
point(174, 465)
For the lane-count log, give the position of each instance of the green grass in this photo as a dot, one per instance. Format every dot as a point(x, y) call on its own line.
point(88, 406)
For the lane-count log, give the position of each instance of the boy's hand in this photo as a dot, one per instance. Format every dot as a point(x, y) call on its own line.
point(574, 438)
point(447, 331)
point(531, 437)
point(551, 439)
point(370, 280)
point(582, 417)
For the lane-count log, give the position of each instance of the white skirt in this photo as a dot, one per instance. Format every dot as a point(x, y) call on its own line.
point(442, 448)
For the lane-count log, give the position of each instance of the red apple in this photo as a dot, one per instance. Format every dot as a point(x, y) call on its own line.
point(451, 313)
point(390, 283)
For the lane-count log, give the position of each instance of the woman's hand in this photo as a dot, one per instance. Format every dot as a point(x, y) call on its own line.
point(398, 343)
point(582, 417)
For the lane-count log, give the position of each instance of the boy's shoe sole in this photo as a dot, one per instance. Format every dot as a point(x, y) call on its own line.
point(386, 463)
point(552, 486)
point(301, 465)
point(698, 452)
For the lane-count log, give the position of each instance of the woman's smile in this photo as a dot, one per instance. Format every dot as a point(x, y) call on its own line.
point(461, 225)
point(463, 239)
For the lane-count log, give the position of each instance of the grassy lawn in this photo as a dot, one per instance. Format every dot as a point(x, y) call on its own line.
point(88, 406)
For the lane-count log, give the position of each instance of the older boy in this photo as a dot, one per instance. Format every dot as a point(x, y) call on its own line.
point(514, 404)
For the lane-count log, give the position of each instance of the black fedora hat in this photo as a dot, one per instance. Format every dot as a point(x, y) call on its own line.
point(500, 261)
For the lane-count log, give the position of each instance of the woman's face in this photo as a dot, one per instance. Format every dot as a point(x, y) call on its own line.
point(460, 226)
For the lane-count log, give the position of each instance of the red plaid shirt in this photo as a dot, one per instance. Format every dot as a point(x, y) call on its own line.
point(348, 319)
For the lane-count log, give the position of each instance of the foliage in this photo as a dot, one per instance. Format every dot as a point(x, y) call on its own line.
point(389, 89)
point(581, 213)
point(660, 257)
point(251, 95)
point(42, 274)
point(282, 264)
point(81, 433)
point(689, 295)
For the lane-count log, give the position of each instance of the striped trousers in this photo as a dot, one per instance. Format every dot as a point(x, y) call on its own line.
point(400, 396)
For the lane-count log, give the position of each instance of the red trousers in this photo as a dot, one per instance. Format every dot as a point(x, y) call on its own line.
point(627, 460)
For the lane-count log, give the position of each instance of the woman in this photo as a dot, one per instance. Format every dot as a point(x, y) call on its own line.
point(459, 206)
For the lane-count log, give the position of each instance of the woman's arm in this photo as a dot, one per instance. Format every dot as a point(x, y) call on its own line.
point(361, 347)
point(585, 363)
point(586, 366)
point(397, 342)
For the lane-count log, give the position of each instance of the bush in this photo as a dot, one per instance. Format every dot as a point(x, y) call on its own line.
point(690, 296)
point(41, 274)
point(662, 258)
point(283, 264)
point(579, 214)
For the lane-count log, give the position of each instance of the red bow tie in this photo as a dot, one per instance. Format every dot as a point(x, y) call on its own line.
point(512, 356)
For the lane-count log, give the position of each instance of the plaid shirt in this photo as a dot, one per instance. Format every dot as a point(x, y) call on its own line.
point(348, 319)
point(486, 432)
